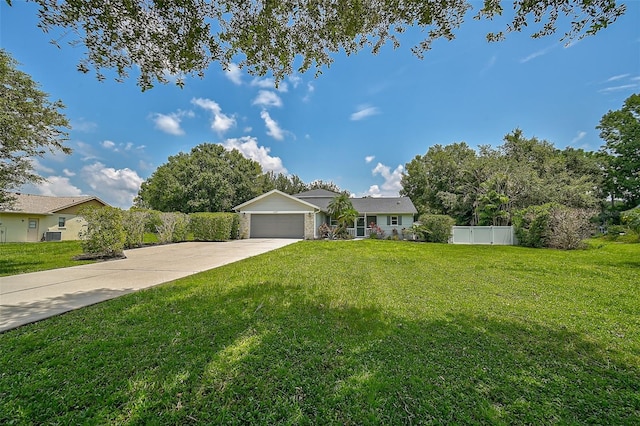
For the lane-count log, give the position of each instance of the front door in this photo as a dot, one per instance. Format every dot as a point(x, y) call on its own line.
point(33, 233)
point(360, 227)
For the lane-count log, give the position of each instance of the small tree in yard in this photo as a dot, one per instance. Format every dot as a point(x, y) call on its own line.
point(173, 227)
point(104, 234)
point(568, 228)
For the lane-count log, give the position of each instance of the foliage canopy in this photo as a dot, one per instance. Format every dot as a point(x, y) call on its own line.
point(179, 38)
point(30, 126)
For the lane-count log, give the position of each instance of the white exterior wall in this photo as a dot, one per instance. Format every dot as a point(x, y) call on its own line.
point(14, 227)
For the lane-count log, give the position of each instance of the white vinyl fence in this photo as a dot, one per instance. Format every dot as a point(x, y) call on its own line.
point(497, 235)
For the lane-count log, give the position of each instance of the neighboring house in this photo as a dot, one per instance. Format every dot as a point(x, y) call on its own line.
point(279, 215)
point(39, 217)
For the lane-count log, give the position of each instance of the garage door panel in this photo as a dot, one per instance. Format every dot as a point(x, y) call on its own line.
point(277, 226)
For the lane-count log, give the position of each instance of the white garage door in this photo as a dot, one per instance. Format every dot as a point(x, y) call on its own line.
point(277, 226)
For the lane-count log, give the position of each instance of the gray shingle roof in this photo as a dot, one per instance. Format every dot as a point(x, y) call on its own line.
point(399, 205)
point(42, 204)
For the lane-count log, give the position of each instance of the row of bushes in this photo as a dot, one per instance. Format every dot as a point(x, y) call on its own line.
point(110, 230)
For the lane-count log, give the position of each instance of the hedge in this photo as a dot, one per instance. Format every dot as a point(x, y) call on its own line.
point(214, 226)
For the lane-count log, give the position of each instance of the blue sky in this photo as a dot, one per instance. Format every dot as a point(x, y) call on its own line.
point(357, 124)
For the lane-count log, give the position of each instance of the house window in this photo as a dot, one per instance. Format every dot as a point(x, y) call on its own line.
point(61, 222)
point(394, 220)
point(333, 221)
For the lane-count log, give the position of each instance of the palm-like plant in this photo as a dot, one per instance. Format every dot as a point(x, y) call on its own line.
point(342, 210)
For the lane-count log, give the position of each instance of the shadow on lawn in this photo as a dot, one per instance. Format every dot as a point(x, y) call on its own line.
point(269, 354)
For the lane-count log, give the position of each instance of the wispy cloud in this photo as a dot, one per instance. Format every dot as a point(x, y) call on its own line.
point(221, 122)
point(618, 88)
point(310, 89)
point(248, 146)
point(267, 98)
point(364, 111)
point(369, 158)
point(234, 73)
point(490, 64)
point(119, 147)
point(57, 186)
point(618, 77)
point(579, 137)
point(81, 125)
point(537, 54)
point(273, 129)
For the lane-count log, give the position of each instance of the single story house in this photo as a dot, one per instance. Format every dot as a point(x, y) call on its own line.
point(279, 215)
point(44, 218)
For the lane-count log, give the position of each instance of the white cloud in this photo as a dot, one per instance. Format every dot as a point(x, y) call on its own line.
point(295, 80)
point(374, 192)
point(392, 181)
point(310, 90)
point(68, 173)
point(86, 151)
point(248, 146)
point(364, 111)
point(116, 186)
point(120, 147)
point(579, 137)
point(39, 167)
point(273, 129)
point(539, 53)
point(221, 122)
point(618, 88)
point(369, 158)
point(234, 73)
point(170, 123)
point(57, 186)
point(267, 98)
point(617, 77)
point(81, 125)
point(270, 83)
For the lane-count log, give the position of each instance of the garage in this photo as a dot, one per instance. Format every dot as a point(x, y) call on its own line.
point(277, 225)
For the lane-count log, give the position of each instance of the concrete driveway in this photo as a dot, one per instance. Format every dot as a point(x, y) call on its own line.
point(31, 297)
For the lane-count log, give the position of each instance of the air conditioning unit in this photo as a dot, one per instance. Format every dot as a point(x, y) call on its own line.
point(53, 236)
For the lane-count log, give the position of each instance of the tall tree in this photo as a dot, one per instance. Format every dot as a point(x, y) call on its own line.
point(208, 179)
point(287, 184)
point(620, 131)
point(185, 37)
point(30, 126)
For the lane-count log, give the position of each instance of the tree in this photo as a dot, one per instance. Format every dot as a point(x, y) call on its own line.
point(329, 186)
point(164, 38)
point(489, 186)
point(341, 209)
point(208, 179)
point(30, 126)
point(621, 152)
point(287, 184)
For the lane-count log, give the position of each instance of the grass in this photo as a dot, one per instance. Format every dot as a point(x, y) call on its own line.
point(358, 332)
point(18, 258)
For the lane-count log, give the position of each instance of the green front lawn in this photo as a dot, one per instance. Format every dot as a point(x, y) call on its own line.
point(18, 258)
point(355, 332)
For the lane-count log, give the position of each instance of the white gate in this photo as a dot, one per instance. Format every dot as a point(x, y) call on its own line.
point(496, 235)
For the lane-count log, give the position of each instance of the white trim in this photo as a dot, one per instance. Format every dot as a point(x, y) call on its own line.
point(274, 191)
point(276, 212)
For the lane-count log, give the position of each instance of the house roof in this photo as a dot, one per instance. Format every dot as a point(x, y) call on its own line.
point(399, 205)
point(42, 204)
point(317, 193)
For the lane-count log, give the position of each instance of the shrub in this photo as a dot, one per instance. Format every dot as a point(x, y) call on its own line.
point(134, 223)
point(552, 225)
point(631, 218)
point(569, 227)
point(104, 233)
point(435, 228)
point(376, 232)
point(173, 227)
point(212, 226)
point(531, 225)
